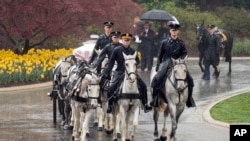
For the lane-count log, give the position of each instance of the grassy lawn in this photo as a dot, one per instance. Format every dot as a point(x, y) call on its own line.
point(233, 110)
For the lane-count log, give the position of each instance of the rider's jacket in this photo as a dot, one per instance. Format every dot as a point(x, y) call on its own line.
point(101, 42)
point(214, 43)
point(171, 48)
point(212, 51)
point(107, 50)
point(117, 56)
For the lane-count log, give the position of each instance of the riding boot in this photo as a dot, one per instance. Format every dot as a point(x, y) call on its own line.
point(217, 72)
point(155, 98)
point(190, 101)
point(142, 87)
point(144, 101)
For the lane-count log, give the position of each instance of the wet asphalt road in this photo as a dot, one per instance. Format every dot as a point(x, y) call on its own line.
point(27, 115)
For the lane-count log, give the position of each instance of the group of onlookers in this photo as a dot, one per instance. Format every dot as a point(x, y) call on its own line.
point(150, 41)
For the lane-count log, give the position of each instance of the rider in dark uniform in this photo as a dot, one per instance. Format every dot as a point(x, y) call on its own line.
point(119, 73)
point(175, 48)
point(103, 40)
point(212, 53)
point(108, 49)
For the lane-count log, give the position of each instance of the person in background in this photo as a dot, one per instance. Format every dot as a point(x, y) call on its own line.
point(138, 27)
point(212, 54)
point(161, 34)
point(173, 47)
point(119, 74)
point(102, 41)
point(147, 47)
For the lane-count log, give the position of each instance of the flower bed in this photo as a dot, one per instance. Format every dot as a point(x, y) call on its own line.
point(35, 66)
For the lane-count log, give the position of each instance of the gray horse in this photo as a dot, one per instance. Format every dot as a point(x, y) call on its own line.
point(173, 98)
point(59, 83)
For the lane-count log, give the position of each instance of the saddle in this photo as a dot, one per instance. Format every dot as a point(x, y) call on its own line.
point(162, 84)
point(222, 36)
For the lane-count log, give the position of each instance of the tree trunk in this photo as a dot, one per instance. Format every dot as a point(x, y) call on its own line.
point(26, 46)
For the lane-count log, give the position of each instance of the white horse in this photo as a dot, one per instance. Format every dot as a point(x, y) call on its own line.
point(175, 92)
point(108, 118)
point(102, 119)
point(128, 99)
point(100, 113)
point(84, 100)
point(59, 83)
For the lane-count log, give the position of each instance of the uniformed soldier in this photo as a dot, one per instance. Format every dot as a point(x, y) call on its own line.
point(108, 49)
point(175, 48)
point(119, 73)
point(102, 41)
point(212, 53)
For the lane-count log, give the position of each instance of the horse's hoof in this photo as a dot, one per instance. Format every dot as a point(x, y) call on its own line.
point(115, 140)
point(163, 138)
point(87, 135)
point(127, 140)
point(109, 132)
point(95, 124)
point(62, 123)
point(99, 128)
point(118, 135)
point(156, 134)
point(73, 138)
point(67, 127)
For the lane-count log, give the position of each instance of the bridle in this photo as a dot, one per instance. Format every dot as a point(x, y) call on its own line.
point(86, 99)
point(92, 97)
point(175, 80)
point(200, 33)
point(65, 75)
point(127, 72)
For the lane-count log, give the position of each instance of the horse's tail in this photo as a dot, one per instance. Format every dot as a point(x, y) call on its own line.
point(228, 46)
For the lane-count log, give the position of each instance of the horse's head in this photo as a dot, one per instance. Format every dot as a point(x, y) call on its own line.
point(130, 66)
point(104, 62)
point(199, 30)
point(179, 73)
point(98, 51)
point(65, 66)
point(93, 89)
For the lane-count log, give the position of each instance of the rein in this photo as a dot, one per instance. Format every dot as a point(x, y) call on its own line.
point(128, 95)
point(129, 73)
point(175, 80)
point(84, 99)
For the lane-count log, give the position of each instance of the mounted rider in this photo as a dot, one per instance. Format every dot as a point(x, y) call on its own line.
point(108, 49)
point(119, 74)
point(103, 40)
point(171, 47)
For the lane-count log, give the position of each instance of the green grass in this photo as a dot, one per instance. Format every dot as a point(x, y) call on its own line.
point(233, 110)
point(241, 47)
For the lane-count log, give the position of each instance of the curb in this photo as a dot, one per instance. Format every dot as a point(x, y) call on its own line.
point(25, 87)
point(206, 114)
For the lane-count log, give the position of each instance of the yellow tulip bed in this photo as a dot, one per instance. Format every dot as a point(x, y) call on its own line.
point(35, 66)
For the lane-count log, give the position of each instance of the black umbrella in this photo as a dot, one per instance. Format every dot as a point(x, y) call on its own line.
point(157, 15)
